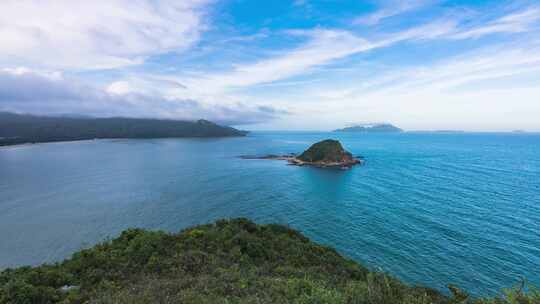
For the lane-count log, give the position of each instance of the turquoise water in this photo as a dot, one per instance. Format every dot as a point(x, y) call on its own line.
point(428, 208)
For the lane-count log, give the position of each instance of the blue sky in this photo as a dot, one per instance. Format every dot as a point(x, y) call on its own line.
point(300, 65)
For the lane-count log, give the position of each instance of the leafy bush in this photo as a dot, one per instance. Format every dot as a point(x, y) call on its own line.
point(326, 150)
point(231, 261)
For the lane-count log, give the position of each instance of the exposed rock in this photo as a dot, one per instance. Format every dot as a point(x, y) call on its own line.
point(68, 288)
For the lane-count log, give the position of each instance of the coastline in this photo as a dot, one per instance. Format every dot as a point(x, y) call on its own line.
point(111, 138)
point(293, 160)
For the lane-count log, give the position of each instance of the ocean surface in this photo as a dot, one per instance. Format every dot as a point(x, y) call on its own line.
point(429, 208)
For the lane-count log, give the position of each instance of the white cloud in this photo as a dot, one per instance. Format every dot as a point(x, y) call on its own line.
point(119, 88)
point(437, 29)
point(521, 21)
point(480, 65)
point(95, 34)
point(18, 71)
point(323, 47)
point(390, 9)
point(495, 88)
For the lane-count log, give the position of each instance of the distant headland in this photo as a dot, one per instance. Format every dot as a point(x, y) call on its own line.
point(371, 128)
point(328, 153)
point(21, 129)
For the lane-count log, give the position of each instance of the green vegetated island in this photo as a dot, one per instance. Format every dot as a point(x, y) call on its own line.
point(328, 153)
point(20, 129)
point(229, 261)
point(371, 128)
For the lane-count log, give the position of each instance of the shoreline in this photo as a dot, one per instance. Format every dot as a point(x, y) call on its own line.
point(293, 160)
point(112, 138)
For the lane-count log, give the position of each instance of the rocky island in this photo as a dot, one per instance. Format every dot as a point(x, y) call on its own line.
point(328, 153)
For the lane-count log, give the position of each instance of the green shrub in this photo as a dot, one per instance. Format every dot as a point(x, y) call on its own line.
point(231, 261)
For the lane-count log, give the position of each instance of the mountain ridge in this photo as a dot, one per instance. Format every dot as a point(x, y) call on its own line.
point(26, 128)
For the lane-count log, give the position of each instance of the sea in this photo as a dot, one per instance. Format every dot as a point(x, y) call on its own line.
point(431, 209)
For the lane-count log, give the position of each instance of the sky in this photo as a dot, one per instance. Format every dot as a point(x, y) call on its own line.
point(277, 65)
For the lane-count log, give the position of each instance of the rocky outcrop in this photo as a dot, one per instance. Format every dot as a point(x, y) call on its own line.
point(324, 154)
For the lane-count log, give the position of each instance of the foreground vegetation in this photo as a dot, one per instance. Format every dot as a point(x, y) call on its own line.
point(230, 261)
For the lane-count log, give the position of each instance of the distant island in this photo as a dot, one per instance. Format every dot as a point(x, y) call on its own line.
point(20, 129)
point(328, 153)
point(229, 261)
point(371, 128)
point(449, 131)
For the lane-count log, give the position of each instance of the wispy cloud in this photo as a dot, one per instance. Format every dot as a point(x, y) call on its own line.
point(517, 22)
point(490, 88)
point(95, 34)
point(389, 9)
point(486, 64)
point(325, 46)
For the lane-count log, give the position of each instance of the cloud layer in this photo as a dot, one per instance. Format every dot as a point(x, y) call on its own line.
point(195, 59)
point(43, 93)
point(98, 34)
point(325, 46)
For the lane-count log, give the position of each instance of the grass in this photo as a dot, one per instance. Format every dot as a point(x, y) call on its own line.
point(229, 261)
